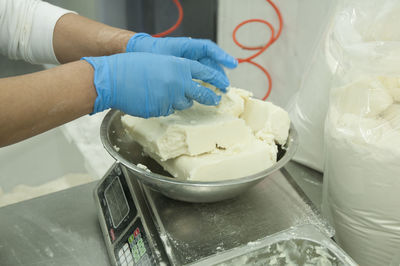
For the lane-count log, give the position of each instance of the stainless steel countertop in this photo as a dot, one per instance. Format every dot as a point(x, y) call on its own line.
point(56, 229)
point(63, 229)
point(309, 180)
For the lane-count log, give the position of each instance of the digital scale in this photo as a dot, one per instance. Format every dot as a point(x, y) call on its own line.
point(125, 221)
point(143, 227)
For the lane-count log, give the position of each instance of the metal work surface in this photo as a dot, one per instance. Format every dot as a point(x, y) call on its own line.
point(309, 181)
point(194, 231)
point(57, 229)
point(63, 229)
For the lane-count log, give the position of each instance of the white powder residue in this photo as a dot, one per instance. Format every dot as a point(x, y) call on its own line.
point(255, 243)
point(288, 252)
point(24, 192)
point(167, 246)
point(144, 167)
point(49, 252)
point(219, 248)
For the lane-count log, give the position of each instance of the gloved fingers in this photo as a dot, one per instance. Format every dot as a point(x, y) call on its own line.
point(183, 103)
point(202, 94)
point(208, 49)
point(211, 63)
point(169, 111)
point(208, 74)
point(161, 110)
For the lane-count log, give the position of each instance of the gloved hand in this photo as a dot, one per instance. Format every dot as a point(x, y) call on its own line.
point(204, 51)
point(147, 85)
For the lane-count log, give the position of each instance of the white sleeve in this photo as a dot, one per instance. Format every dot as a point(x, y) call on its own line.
point(26, 30)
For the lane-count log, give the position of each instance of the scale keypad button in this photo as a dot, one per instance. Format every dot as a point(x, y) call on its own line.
point(124, 256)
point(134, 248)
point(122, 261)
point(120, 253)
point(136, 254)
point(141, 247)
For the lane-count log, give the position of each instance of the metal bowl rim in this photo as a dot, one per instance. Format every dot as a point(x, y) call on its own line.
point(104, 129)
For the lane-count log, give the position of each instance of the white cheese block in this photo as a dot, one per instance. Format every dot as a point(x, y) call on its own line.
point(233, 102)
point(236, 162)
point(235, 139)
point(265, 118)
point(194, 131)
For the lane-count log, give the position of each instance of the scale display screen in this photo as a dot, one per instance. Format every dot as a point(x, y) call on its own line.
point(116, 201)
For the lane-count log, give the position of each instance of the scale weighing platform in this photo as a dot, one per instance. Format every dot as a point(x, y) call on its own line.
point(142, 227)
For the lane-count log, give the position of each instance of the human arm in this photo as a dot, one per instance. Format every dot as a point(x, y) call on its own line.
point(139, 84)
point(39, 33)
point(76, 36)
point(33, 103)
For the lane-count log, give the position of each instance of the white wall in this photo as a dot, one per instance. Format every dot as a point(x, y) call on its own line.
point(286, 59)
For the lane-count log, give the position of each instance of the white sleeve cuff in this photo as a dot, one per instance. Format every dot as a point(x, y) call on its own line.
point(41, 40)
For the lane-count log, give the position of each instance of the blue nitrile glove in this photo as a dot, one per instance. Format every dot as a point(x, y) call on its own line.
point(204, 51)
point(147, 85)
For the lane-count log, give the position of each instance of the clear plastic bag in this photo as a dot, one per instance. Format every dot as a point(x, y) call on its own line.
point(362, 131)
point(363, 36)
point(308, 107)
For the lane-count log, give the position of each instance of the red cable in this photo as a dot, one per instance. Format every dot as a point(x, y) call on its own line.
point(261, 49)
point(177, 23)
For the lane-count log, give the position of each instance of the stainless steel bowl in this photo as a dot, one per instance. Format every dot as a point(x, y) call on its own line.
point(125, 150)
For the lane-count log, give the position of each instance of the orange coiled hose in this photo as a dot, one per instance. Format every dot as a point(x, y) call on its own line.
point(260, 49)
